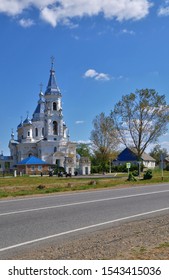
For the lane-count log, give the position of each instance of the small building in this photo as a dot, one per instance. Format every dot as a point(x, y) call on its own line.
point(130, 155)
point(6, 163)
point(33, 166)
point(165, 162)
point(84, 166)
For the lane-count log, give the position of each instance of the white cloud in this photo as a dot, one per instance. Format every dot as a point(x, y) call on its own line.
point(126, 31)
point(102, 77)
point(26, 22)
point(91, 73)
point(164, 9)
point(64, 11)
point(79, 122)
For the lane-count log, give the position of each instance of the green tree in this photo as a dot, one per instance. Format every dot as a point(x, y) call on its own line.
point(140, 118)
point(83, 150)
point(104, 140)
point(157, 151)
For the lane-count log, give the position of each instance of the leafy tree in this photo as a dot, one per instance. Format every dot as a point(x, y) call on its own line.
point(140, 118)
point(83, 150)
point(157, 151)
point(104, 139)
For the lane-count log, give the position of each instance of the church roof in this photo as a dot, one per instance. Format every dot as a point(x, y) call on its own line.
point(20, 125)
point(37, 110)
point(52, 87)
point(27, 121)
point(31, 160)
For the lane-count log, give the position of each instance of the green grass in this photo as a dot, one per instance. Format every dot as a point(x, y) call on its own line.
point(163, 245)
point(22, 186)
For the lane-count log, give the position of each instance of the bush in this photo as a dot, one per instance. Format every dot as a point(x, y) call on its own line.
point(131, 178)
point(167, 167)
point(148, 175)
point(135, 173)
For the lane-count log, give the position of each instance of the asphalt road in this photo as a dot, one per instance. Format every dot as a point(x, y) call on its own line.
point(27, 222)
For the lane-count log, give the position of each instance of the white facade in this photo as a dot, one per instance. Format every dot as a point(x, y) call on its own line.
point(45, 135)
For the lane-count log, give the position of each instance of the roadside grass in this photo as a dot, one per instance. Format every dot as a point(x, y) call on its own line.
point(157, 252)
point(22, 186)
point(163, 245)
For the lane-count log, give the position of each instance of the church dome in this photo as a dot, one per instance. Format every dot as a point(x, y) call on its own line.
point(20, 125)
point(27, 121)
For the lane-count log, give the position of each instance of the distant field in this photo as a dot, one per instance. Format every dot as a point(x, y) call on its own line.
point(20, 186)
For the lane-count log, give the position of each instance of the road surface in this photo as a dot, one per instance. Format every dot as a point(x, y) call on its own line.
point(29, 222)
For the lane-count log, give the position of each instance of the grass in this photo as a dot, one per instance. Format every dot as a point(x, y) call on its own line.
point(22, 186)
point(163, 245)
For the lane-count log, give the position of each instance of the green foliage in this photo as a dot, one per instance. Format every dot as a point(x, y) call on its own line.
point(58, 169)
point(148, 175)
point(167, 167)
point(135, 173)
point(122, 168)
point(83, 150)
point(104, 140)
point(100, 168)
point(131, 178)
point(144, 115)
point(157, 151)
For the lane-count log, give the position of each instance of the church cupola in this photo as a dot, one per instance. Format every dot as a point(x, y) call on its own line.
point(39, 111)
point(52, 88)
point(21, 124)
point(12, 135)
point(27, 121)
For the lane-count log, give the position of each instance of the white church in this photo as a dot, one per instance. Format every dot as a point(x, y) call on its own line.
point(46, 136)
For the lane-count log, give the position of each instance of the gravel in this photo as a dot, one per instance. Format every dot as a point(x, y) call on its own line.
point(144, 239)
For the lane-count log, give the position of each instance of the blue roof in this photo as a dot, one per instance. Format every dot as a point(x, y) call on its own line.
point(27, 121)
point(31, 160)
point(20, 125)
point(127, 155)
point(52, 87)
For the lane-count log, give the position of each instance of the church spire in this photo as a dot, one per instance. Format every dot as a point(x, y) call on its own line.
point(52, 88)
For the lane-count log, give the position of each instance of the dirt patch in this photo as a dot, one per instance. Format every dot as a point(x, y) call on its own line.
point(145, 239)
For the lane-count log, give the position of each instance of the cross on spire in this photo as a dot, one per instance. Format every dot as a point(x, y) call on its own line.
point(52, 61)
point(41, 86)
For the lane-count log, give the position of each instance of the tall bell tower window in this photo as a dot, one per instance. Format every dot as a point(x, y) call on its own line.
point(55, 128)
point(36, 132)
point(54, 106)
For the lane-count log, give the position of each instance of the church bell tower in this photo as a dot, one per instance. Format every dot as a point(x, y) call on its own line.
point(54, 125)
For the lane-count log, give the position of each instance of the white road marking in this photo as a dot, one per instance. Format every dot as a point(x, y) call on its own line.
point(81, 229)
point(80, 203)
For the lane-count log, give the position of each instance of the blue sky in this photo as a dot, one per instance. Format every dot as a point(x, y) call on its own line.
point(102, 49)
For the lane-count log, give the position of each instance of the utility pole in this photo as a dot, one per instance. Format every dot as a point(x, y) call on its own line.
point(162, 167)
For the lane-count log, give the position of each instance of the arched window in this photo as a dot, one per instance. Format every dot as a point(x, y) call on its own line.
point(36, 132)
point(55, 128)
point(54, 106)
point(55, 149)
